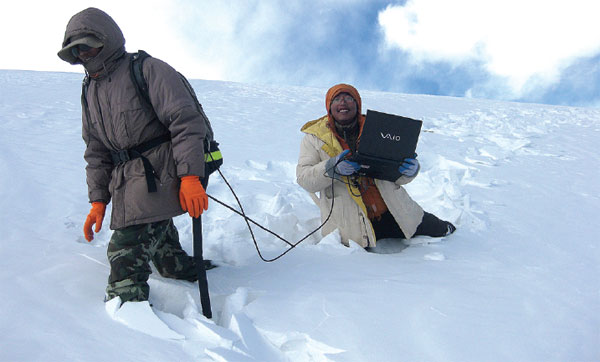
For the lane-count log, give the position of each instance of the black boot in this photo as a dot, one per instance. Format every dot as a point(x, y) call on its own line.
point(432, 226)
point(208, 265)
point(451, 228)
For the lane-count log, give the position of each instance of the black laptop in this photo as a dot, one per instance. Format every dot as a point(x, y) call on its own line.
point(386, 140)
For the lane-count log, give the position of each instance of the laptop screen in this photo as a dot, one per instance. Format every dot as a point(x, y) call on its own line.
point(386, 140)
point(389, 136)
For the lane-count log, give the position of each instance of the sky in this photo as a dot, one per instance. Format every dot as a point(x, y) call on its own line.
point(529, 50)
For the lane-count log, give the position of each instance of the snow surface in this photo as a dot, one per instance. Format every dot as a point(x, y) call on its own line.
point(518, 281)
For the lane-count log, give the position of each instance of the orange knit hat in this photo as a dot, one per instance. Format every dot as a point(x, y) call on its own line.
point(341, 88)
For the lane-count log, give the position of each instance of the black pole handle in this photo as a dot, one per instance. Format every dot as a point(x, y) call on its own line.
point(200, 269)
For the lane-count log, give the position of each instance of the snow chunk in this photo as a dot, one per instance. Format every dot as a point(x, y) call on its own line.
point(140, 317)
point(233, 304)
point(434, 256)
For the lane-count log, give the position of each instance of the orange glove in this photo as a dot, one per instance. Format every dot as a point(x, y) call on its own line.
point(192, 196)
point(95, 216)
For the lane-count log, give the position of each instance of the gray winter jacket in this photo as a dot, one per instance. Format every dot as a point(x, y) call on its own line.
point(117, 121)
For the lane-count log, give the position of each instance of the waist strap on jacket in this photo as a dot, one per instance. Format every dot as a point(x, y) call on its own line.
point(123, 156)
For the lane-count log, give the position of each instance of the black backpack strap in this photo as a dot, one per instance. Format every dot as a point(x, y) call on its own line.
point(84, 87)
point(84, 103)
point(137, 77)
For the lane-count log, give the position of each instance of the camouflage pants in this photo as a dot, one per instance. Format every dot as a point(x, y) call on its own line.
point(130, 251)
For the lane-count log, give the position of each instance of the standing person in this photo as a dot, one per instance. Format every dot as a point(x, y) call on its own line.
point(365, 209)
point(148, 162)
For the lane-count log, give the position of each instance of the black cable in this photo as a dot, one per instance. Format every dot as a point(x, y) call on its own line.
point(248, 220)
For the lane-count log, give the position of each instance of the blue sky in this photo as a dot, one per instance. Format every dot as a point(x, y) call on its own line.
point(523, 50)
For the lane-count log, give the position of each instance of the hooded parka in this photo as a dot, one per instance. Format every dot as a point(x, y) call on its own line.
point(117, 120)
point(349, 213)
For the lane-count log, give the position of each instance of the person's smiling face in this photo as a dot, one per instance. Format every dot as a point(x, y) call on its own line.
point(343, 108)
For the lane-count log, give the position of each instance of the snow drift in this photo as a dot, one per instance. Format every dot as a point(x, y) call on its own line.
point(519, 280)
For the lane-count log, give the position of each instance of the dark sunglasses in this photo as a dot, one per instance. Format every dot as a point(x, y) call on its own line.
point(77, 49)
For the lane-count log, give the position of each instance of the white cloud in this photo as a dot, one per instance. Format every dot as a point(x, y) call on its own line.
point(519, 40)
point(226, 40)
point(33, 30)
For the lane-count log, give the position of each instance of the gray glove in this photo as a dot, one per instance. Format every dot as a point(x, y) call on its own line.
point(335, 168)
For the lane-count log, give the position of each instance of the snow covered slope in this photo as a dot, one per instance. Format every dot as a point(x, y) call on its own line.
point(518, 281)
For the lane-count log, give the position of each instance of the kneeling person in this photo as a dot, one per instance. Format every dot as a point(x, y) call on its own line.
point(365, 209)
